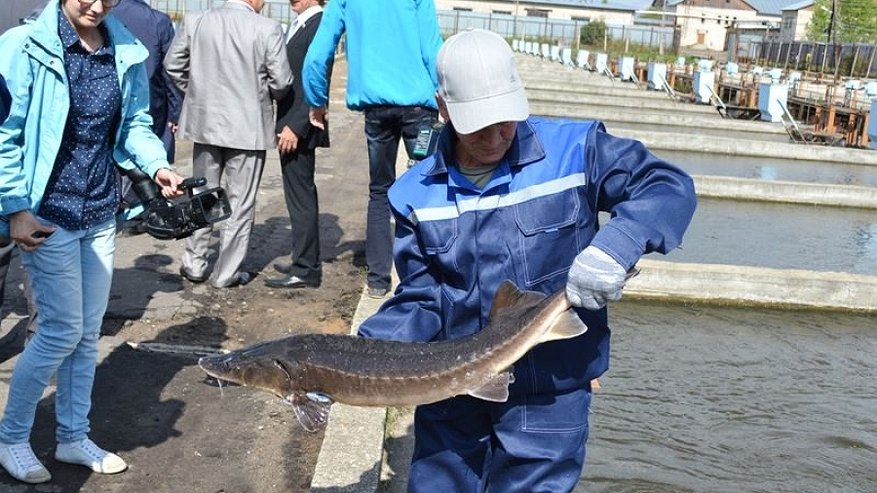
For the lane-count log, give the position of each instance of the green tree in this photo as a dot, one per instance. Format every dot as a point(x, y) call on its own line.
point(855, 21)
point(592, 33)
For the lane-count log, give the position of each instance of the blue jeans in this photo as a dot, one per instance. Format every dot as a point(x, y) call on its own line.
point(70, 274)
point(384, 126)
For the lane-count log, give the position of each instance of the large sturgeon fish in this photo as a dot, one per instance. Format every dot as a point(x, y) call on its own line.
point(312, 371)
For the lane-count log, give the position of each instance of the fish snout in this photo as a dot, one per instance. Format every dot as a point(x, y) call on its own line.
point(215, 365)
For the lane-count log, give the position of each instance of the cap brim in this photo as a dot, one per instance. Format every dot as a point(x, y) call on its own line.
point(471, 116)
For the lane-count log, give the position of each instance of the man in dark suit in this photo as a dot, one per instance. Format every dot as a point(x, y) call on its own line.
point(156, 31)
point(297, 140)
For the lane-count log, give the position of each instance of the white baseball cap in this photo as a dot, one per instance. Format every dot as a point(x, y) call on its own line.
point(479, 82)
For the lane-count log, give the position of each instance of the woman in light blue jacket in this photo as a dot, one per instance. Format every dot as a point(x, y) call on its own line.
point(79, 105)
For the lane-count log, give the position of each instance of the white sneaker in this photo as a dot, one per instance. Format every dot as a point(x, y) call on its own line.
point(22, 464)
point(86, 453)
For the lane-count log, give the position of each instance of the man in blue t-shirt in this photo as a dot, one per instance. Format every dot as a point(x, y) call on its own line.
point(391, 78)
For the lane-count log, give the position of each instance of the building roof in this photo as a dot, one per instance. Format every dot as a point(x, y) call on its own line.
point(631, 5)
point(764, 7)
point(799, 5)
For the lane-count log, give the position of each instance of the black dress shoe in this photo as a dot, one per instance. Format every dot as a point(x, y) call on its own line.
point(283, 267)
point(290, 282)
point(191, 277)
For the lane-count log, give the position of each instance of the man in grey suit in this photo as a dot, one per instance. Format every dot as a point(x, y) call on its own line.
point(231, 63)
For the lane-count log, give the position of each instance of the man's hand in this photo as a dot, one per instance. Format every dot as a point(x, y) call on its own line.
point(319, 117)
point(287, 141)
point(594, 279)
point(168, 181)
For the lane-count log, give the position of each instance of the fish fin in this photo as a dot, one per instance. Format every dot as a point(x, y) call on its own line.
point(312, 413)
point(567, 325)
point(496, 389)
point(509, 295)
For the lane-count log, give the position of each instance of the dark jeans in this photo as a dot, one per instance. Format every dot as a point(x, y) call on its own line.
point(384, 126)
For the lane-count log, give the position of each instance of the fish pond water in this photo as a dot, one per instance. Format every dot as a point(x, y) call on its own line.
point(711, 399)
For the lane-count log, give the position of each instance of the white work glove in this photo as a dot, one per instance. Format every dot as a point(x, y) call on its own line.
point(594, 279)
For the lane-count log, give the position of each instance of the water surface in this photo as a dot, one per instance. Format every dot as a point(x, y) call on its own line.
point(706, 399)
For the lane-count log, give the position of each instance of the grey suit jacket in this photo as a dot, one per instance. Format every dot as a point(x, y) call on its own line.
point(231, 62)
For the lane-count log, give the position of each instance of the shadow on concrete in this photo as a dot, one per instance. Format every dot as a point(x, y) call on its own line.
point(367, 477)
point(134, 287)
point(137, 404)
point(273, 239)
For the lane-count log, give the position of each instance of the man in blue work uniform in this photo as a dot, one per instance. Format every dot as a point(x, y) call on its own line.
point(509, 196)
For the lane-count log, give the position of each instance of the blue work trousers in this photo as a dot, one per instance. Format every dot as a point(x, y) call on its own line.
point(384, 126)
point(532, 443)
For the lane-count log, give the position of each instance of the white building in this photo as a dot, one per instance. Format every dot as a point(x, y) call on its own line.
point(614, 12)
point(704, 23)
point(795, 20)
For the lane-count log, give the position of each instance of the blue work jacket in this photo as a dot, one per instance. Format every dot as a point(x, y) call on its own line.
point(455, 243)
point(33, 66)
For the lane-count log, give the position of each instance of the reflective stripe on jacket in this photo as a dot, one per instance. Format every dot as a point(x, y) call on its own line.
point(455, 244)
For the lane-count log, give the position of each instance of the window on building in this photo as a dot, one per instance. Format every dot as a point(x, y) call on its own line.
point(581, 19)
point(503, 12)
point(537, 12)
point(462, 9)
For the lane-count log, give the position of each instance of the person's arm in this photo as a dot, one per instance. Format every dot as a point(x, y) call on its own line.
point(18, 77)
point(137, 139)
point(321, 53)
point(414, 312)
point(430, 36)
point(277, 64)
point(18, 80)
point(5, 99)
point(176, 61)
point(651, 203)
point(174, 96)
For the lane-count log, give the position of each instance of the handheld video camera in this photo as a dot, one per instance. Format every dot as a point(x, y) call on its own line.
point(167, 219)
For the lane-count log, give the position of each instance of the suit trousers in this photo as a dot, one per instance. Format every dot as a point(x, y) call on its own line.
point(302, 204)
point(243, 172)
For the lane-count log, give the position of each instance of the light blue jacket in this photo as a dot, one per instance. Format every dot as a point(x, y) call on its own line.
point(32, 62)
point(391, 47)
